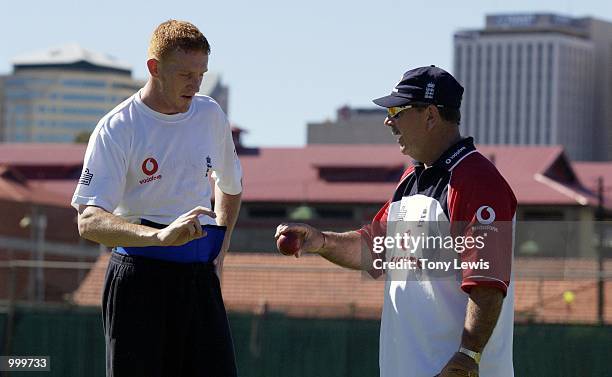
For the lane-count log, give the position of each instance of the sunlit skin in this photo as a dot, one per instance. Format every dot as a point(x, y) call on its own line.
point(409, 127)
point(174, 81)
point(422, 133)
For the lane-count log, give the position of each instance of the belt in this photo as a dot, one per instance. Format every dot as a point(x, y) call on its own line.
point(204, 249)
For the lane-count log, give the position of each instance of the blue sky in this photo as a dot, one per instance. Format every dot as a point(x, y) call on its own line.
point(286, 63)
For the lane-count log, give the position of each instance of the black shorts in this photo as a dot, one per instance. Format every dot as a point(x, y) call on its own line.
point(165, 319)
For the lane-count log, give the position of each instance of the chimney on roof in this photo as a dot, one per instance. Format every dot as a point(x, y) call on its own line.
point(344, 113)
point(236, 136)
point(237, 139)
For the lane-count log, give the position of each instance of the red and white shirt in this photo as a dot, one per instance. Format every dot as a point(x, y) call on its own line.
point(460, 197)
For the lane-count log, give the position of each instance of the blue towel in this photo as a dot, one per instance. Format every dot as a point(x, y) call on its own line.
point(204, 249)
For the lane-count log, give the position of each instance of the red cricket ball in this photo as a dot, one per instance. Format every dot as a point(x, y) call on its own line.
point(289, 243)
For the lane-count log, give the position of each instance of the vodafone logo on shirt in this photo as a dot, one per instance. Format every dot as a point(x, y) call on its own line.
point(150, 167)
point(485, 215)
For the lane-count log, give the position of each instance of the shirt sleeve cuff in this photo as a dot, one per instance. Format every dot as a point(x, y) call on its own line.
point(230, 189)
point(91, 201)
point(484, 281)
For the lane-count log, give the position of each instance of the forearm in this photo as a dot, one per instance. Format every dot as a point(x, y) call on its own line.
point(98, 225)
point(227, 208)
point(483, 308)
point(344, 249)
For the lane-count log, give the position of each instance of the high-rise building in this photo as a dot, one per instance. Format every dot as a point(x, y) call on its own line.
point(59, 95)
point(538, 79)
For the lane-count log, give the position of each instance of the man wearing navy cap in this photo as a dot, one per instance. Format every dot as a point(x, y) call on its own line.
point(448, 310)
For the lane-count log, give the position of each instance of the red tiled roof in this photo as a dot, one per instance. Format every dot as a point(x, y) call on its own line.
point(520, 165)
point(302, 287)
point(590, 172)
point(60, 189)
point(292, 174)
point(41, 154)
point(56, 192)
point(49, 193)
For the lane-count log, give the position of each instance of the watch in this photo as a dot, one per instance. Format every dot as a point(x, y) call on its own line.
point(473, 354)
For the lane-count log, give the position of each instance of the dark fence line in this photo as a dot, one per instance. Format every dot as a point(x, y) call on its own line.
point(276, 345)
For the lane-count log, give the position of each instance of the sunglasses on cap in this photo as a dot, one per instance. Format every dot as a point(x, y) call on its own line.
point(394, 112)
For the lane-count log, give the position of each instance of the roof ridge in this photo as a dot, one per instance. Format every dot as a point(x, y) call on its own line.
point(561, 188)
point(69, 53)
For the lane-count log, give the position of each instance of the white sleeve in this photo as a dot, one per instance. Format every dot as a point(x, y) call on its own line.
point(102, 181)
point(228, 175)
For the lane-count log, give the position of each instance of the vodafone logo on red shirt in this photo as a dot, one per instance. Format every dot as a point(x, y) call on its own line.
point(150, 167)
point(486, 219)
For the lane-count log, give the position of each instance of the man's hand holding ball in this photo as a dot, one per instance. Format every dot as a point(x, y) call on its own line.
point(295, 238)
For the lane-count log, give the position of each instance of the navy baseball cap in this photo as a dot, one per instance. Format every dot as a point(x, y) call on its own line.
point(424, 85)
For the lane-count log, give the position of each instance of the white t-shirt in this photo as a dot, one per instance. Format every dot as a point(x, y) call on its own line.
point(143, 164)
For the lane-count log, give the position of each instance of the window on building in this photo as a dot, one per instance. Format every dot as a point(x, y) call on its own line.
point(361, 173)
point(498, 86)
point(12, 109)
point(20, 137)
point(76, 125)
point(22, 122)
point(518, 94)
point(528, 131)
point(267, 212)
point(477, 92)
point(538, 108)
point(509, 84)
point(468, 82)
point(83, 111)
point(83, 83)
point(459, 62)
point(128, 86)
point(486, 130)
point(21, 95)
point(15, 81)
point(83, 97)
point(549, 79)
point(334, 213)
point(543, 215)
point(28, 81)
